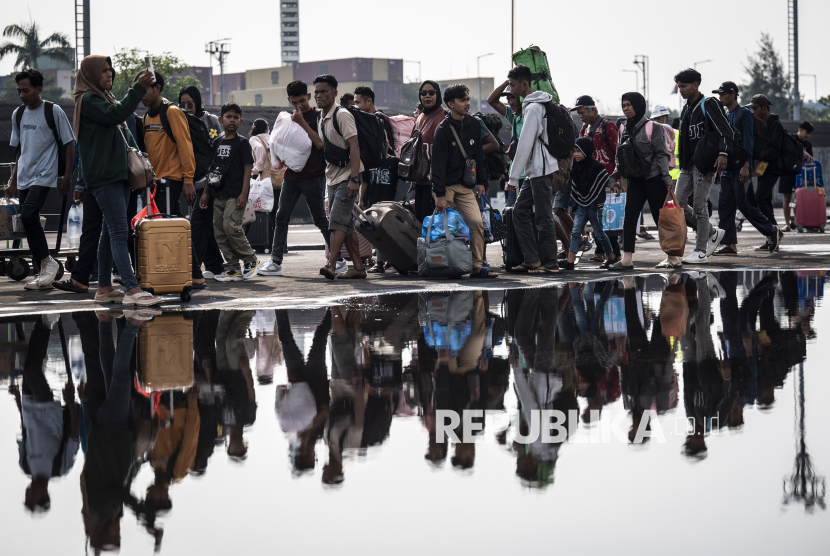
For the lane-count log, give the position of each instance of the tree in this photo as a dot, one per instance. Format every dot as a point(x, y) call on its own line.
point(51, 92)
point(56, 46)
point(130, 62)
point(765, 70)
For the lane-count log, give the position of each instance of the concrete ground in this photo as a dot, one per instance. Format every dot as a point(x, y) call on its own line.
point(301, 284)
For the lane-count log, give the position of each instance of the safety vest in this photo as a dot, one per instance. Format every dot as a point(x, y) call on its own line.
point(674, 173)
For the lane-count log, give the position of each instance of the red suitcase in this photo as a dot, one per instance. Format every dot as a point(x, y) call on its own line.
point(810, 208)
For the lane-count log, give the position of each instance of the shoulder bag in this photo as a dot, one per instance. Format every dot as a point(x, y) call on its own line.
point(445, 257)
point(139, 170)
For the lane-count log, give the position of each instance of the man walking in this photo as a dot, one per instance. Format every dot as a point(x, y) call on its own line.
point(766, 182)
point(698, 119)
point(736, 190)
point(457, 143)
point(546, 176)
point(39, 131)
point(310, 182)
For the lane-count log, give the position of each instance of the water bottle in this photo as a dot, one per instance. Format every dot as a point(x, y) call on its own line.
point(74, 223)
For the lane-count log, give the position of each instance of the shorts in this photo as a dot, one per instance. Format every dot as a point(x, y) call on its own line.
point(340, 208)
point(563, 197)
point(786, 185)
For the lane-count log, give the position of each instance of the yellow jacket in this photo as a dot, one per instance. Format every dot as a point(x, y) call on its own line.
point(181, 436)
point(675, 172)
point(172, 161)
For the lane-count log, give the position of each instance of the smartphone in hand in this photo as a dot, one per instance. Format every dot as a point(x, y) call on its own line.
point(148, 61)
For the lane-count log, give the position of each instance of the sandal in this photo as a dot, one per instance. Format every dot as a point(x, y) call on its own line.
point(377, 269)
point(483, 272)
point(667, 264)
point(142, 299)
point(115, 296)
point(619, 266)
point(565, 265)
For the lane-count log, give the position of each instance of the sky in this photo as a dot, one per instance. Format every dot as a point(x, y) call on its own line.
point(588, 48)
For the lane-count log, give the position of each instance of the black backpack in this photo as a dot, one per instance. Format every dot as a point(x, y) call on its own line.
point(632, 164)
point(49, 114)
point(370, 136)
point(760, 135)
point(561, 130)
point(495, 163)
point(792, 155)
point(199, 138)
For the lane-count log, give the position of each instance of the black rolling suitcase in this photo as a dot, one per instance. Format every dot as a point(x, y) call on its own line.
point(511, 252)
point(260, 234)
point(393, 230)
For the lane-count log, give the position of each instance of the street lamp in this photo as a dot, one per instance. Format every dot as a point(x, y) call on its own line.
point(815, 85)
point(220, 49)
point(636, 79)
point(702, 62)
point(478, 78)
point(419, 67)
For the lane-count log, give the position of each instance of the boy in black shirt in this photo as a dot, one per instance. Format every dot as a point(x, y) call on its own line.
point(230, 178)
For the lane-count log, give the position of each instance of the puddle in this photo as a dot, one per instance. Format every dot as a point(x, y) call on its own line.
point(689, 410)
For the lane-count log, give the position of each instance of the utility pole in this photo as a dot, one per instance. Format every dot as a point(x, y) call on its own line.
point(478, 76)
point(82, 49)
point(512, 18)
point(792, 28)
point(641, 61)
point(220, 49)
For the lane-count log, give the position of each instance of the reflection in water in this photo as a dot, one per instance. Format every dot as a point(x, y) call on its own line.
point(162, 393)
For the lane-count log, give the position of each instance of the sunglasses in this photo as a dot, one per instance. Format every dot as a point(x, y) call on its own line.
point(190, 104)
point(428, 93)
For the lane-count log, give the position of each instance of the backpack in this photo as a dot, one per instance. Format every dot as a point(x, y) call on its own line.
point(370, 136)
point(199, 138)
point(49, 114)
point(668, 135)
point(707, 151)
point(414, 165)
point(561, 130)
point(268, 171)
point(760, 135)
point(495, 163)
point(792, 155)
point(632, 163)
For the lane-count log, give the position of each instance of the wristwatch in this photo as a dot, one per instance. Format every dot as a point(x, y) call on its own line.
point(355, 179)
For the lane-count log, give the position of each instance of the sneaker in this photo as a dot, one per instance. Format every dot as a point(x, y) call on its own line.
point(271, 269)
point(353, 273)
point(696, 257)
point(774, 241)
point(249, 270)
point(228, 276)
point(48, 273)
point(342, 266)
point(208, 275)
point(714, 241)
point(328, 272)
point(725, 251)
point(715, 289)
point(380, 268)
point(35, 285)
point(764, 247)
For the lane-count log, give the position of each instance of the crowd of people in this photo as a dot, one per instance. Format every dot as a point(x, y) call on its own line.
point(366, 363)
point(556, 182)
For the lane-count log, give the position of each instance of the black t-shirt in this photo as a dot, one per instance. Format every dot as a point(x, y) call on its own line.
point(235, 154)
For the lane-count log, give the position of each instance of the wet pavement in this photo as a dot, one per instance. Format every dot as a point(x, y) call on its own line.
point(694, 410)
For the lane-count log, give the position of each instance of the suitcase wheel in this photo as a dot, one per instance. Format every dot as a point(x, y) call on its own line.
point(186, 295)
point(70, 263)
point(800, 229)
point(739, 226)
point(17, 270)
point(821, 228)
point(59, 275)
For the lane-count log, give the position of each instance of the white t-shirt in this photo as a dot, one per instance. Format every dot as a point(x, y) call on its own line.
point(44, 432)
point(38, 164)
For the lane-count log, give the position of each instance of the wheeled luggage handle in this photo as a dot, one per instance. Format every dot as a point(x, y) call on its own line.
point(363, 220)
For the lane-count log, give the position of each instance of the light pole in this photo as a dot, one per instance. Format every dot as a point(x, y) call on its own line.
point(478, 76)
point(815, 86)
point(641, 61)
point(636, 78)
point(419, 67)
point(220, 49)
point(702, 62)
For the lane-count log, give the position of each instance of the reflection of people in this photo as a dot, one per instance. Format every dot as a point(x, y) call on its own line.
point(51, 433)
point(233, 353)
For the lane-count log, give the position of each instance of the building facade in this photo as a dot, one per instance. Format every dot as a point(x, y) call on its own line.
point(290, 32)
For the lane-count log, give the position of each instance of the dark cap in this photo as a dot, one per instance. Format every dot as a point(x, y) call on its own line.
point(759, 100)
point(584, 102)
point(726, 87)
point(507, 92)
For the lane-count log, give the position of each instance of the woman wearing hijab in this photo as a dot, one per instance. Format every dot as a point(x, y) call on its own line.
point(190, 100)
point(432, 114)
point(259, 147)
point(102, 142)
point(589, 180)
point(652, 146)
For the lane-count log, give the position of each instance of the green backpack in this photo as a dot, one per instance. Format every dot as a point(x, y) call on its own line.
point(537, 61)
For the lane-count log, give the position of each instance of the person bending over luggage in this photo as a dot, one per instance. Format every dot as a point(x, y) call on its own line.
point(455, 181)
point(786, 184)
point(588, 192)
point(38, 136)
point(310, 182)
point(229, 180)
point(170, 150)
point(343, 170)
point(546, 176)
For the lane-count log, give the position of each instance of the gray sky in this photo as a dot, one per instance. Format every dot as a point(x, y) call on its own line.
point(587, 52)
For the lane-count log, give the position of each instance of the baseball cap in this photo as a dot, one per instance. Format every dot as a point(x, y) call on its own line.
point(660, 110)
point(584, 102)
point(759, 100)
point(726, 87)
point(506, 92)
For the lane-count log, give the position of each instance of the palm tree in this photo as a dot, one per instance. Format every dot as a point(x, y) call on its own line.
point(56, 46)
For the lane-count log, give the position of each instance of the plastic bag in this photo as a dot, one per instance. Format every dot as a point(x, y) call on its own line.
point(74, 224)
point(458, 227)
point(142, 214)
point(261, 195)
point(290, 144)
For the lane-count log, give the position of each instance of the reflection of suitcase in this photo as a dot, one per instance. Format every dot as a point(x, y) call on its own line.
point(163, 254)
point(394, 231)
point(362, 243)
point(810, 208)
point(166, 352)
point(511, 252)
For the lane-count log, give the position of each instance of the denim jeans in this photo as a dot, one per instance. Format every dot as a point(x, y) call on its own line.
point(31, 203)
point(592, 214)
point(692, 183)
point(511, 195)
point(114, 410)
point(112, 247)
point(313, 190)
point(538, 193)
